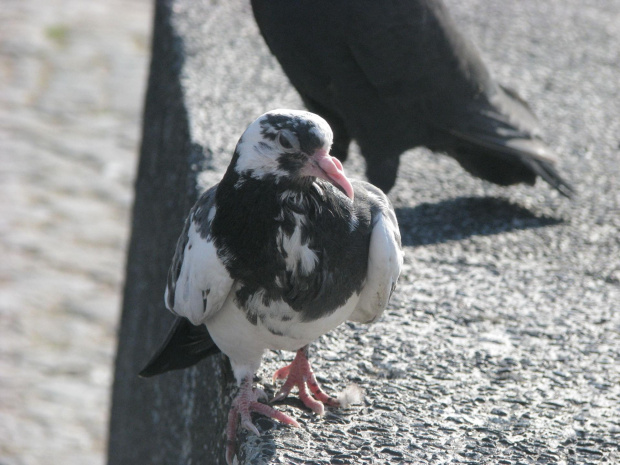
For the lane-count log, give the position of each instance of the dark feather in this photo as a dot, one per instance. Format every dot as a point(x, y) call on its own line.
point(253, 258)
point(185, 345)
point(397, 75)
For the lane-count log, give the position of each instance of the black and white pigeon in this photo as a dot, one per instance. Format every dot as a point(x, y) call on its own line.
point(397, 75)
point(281, 251)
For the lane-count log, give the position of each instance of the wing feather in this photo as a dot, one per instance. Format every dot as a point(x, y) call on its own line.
point(198, 281)
point(385, 260)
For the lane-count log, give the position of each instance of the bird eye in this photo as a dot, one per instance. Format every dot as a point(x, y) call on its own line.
point(284, 141)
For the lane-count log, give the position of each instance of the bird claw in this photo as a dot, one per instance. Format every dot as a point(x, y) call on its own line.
point(247, 424)
point(282, 393)
point(261, 395)
point(247, 401)
point(299, 373)
point(279, 396)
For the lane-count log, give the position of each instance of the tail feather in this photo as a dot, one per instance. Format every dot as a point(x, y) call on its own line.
point(508, 160)
point(185, 345)
point(496, 137)
point(548, 172)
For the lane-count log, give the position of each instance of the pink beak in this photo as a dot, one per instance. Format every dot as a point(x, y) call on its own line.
point(330, 169)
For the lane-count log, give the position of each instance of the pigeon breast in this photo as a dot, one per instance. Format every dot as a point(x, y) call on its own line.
point(307, 251)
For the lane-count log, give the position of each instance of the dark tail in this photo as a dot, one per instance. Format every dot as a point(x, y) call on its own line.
point(496, 137)
point(184, 346)
point(507, 161)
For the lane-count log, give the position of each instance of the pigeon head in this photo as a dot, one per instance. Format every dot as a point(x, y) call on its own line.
point(291, 146)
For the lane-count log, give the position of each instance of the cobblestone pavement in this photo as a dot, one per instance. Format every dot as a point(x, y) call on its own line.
point(72, 76)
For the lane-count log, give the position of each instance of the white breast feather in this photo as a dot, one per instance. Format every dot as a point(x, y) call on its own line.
point(244, 342)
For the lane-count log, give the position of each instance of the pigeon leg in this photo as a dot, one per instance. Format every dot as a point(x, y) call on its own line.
point(299, 373)
point(247, 401)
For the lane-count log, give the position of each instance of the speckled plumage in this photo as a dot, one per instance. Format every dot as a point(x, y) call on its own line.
point(281, 251)
point(285, 253)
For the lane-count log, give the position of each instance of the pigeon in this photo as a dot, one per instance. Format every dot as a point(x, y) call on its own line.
point(282, 250)
point(397, 75)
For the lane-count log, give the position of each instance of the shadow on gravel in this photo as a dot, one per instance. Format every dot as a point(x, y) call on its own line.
point(455, 219)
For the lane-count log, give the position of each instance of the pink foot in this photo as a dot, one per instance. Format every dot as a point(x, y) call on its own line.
point(243, 404)
point(299, 373)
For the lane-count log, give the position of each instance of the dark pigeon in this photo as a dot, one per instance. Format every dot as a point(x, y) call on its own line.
point(281, 251)
point(398, 74)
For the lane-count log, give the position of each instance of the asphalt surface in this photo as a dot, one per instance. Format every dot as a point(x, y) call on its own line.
point(502, 342)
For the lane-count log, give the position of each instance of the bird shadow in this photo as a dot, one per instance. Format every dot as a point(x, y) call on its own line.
point(463, 217)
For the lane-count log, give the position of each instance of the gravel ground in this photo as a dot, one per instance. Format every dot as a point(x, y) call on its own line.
point(502, 344)
point(72, 77)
